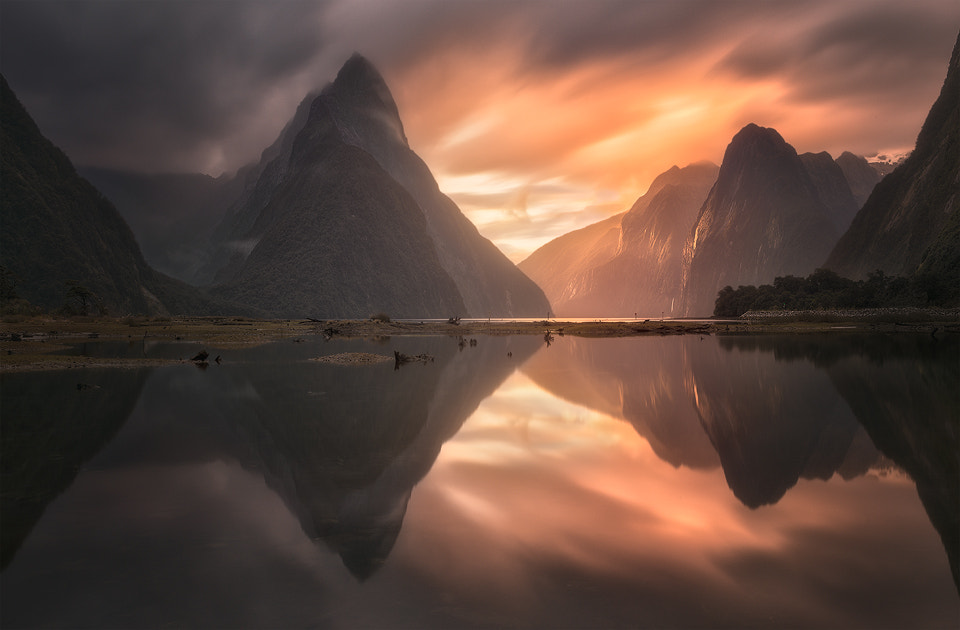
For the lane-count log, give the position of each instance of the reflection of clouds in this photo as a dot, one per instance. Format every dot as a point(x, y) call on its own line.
point(169, 534)
point(579, 492)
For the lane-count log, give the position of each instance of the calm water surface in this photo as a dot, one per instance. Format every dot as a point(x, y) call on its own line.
point(661, 482)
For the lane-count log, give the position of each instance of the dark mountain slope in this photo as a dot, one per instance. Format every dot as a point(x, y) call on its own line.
point(914, 208)
point(171, 214)
point(763, 218)
point(56, 228)
point(361, 106)
point(341, 238)
point(230, 245)
point(357, 111)
point(860, 176)
point(832, 187)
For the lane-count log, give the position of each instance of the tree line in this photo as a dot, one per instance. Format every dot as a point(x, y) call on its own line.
point(825, 289)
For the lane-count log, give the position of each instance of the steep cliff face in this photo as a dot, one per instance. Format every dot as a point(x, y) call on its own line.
point(59, 232)
point(345, 219)
point(631, 263)
point(763, 218)
point(564, 267)
point(912, 213)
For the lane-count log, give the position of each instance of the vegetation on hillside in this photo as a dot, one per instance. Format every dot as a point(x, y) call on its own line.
point(825, 289)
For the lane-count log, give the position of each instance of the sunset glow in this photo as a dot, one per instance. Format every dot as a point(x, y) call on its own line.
point(535, 117)
point(535, 482)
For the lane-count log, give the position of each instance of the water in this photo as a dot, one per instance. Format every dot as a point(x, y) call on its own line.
point(806, 481)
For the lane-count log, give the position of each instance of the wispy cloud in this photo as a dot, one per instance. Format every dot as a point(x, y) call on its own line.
point(600, 94)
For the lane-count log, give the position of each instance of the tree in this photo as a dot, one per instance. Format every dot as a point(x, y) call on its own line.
point(79, 299)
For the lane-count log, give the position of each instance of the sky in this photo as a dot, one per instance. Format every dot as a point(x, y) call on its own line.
point(536, 116)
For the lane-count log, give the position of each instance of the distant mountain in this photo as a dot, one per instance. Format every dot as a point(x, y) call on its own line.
point(860, 175)
point(57, 231)
point(763, 218)
point(910, 223)
point(345, 220)
point(629, 263)
point(172, 215)
point(833, 187)
point(563, 266)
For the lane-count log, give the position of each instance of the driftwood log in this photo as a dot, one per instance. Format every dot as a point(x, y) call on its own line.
point(400, 358)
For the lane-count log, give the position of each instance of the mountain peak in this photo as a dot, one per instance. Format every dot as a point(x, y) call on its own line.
point(359, 79)
point(755, 135)
point(359, 71)
point(360, 99)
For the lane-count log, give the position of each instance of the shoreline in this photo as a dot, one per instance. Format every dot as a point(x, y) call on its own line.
point(31, 344)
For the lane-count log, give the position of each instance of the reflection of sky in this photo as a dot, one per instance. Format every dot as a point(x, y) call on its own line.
point(545, 489)
point(538, 513)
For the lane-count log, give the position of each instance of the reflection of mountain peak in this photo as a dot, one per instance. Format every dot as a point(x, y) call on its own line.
point(771, 422)
point(902, 390)
point(364, 534)
point(345, 463)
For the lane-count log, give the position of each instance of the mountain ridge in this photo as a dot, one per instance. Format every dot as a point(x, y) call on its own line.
point(62, 239)
point(909, 224)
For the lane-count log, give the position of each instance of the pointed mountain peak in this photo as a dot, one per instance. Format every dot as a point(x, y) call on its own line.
point(360, 98)
point(359, 79)
point(359, 71)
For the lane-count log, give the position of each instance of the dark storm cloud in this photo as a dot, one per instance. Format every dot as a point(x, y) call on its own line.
point(206, 84)
point(103, 78)
point(864, 51)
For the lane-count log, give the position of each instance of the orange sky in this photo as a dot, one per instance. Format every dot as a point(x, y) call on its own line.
point(531, 150)
point(536, 116)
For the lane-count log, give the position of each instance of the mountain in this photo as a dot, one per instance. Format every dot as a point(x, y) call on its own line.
point(51, 430)
point(260, 182)
point(628, 263)
point(762, 219)
point(171, 214)
point(833, 188)
point(61, 239)
point(909, 224)
point(562, 266)
point(345, 220)
point(860, 176)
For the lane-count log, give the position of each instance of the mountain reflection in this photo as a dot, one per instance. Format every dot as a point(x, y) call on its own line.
point(774, 409)
point(345, 459)
point(773, 422)
point(767, 423)
point(343, 446)
point(53, 423)
point(903, 390)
